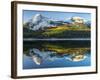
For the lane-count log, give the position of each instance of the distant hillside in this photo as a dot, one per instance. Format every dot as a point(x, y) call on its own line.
point(60, 32)
point(43, 27)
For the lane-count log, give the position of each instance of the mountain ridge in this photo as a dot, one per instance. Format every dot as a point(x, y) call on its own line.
point(41, 22)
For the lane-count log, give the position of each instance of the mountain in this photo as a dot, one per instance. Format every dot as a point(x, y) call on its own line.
point(40, 22)
point(79, 22)
point(75, 19)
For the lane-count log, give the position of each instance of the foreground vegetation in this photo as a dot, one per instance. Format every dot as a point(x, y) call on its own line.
point(59, 32)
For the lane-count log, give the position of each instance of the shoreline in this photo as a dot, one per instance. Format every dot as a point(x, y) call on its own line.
point(56, 39)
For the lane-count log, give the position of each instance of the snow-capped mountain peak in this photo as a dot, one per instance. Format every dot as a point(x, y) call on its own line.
point(36, 18)
point(40, 22)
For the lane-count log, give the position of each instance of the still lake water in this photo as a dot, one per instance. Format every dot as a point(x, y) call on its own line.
point(53, 54)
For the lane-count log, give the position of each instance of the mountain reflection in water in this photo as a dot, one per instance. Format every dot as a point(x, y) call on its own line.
point(45, 54)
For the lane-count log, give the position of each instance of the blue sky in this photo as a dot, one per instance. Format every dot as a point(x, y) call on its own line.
point(28, 14)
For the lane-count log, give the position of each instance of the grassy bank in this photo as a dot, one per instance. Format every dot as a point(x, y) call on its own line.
point(57, 32)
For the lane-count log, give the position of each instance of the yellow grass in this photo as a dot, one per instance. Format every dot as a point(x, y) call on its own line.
point(63, 50)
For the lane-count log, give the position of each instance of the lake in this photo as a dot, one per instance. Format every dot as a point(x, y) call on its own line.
point(56, 54)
